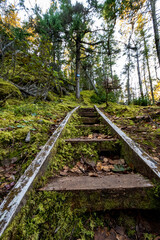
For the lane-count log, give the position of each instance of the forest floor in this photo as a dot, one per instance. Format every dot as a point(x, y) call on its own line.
point(140, 123)
point(26, 125)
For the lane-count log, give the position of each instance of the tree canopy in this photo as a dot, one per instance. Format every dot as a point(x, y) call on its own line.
point(72, 46)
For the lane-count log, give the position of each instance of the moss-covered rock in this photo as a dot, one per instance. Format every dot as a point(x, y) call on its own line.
point(51, 97)
point(8, 90)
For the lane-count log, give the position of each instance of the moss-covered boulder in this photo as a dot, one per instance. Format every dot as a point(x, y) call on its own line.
point(8, 90)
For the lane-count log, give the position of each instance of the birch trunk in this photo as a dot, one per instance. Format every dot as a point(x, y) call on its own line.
point(139, 75)
point(155, 27)
point(148, 67)
point(128, 78)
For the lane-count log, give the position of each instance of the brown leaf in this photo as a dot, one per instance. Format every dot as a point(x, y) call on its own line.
point(120, 230)
point(7, 175)
point(105, 160)
point(122, 161)
point(91, 174)
point(120, 237)
point(90, 136)
point(99, 137)
point(81, 166)
point(12, 177)
point(99, 166)
point(157, 238)
point(63, 173)
point(75, 170)
point(117, 161)
point(1, 169)
point(3, 185)
point(106, 168)
point(101, 234)
point(103, 136)
point(66, 168)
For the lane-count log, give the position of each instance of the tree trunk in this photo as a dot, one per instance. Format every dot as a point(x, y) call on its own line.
point(90, 80)
point(155, 27)
point(144, 74)
point(110, 63)
point(128, 78)
point(78, 53)
point(148, 67)
point(150, 80)
point(139, 75)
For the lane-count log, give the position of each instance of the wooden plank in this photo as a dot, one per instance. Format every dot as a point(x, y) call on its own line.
point(85, 183)
point(14, 200)
point(143, 163)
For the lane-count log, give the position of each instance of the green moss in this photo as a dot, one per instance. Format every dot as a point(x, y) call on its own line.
point(149, 236)
point(6, 137)
point(128, 222)
point(51, 97)
point(50, 216)
point(8, 90)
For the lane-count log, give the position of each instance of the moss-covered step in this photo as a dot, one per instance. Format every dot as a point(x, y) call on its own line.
point(101, 144)
point(89, 120)
point(83, 110)
point(87, 114)
point(93, 127)
point(120, 191)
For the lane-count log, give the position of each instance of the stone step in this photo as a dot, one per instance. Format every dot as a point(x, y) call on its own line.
point(119, 191)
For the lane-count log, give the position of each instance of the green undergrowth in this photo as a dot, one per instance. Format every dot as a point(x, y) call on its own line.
point(8, 90)
point(50, 215)
point(53, 215)
point(127, 111)
point(122, 110)
point(20, 117)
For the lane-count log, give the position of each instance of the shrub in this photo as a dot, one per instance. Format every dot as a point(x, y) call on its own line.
point(100, 97)
point(142, 101)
